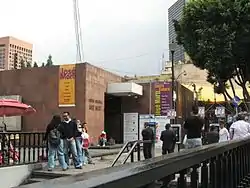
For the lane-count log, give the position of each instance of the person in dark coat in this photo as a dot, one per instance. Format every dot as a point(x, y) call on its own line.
point(212, 136)
point(168, 139)
point(147, 135)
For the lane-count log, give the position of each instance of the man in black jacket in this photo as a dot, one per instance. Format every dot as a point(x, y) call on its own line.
point(147, 135)
point(168, 139)
point(69, 129)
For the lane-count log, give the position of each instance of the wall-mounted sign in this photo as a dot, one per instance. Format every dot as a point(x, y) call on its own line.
point(67, 75)
point(163, 98)
point(177, 130)
point(95, 105)
point(130, 127)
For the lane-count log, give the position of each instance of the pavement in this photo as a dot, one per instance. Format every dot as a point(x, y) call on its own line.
point(101, 160)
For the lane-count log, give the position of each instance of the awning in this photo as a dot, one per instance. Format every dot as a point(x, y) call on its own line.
point(124, 89)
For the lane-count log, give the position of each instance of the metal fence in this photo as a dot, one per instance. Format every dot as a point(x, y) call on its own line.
point(22, 148)
point(224, 165)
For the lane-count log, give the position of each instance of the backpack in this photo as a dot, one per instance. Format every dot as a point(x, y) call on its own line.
point(54, 137)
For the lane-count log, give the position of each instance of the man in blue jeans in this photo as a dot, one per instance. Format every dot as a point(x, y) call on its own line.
point(69, 128)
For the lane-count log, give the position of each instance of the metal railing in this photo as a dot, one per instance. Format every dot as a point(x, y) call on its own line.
point(223, 165)
point(22, 148)
point(130, 148)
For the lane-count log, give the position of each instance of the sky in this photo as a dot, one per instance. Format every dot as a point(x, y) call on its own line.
point(127, 37)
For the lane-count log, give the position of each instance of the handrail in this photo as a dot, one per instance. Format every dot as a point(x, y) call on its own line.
point(232, 158)
point(131, 151)
point(120, 153)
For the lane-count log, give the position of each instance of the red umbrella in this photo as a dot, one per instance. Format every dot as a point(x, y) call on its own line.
point(10, 107)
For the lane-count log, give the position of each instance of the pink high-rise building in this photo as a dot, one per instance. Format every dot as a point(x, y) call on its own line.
point(11, 47)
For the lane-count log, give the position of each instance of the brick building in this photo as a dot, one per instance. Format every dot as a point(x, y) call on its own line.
point(39, 88)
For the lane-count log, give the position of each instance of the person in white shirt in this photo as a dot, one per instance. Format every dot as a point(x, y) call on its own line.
point(224, 134)
point(240, 128)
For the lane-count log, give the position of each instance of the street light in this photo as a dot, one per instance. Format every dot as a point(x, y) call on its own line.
point(172, 48)
point(184, 73)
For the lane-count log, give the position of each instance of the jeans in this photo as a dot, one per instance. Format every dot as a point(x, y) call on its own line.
point(71, 145)
point(193, 143)
point(79, 149)
point(87, 156)
point(52, 153)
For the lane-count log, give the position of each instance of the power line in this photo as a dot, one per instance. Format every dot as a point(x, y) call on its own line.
point(126, 58)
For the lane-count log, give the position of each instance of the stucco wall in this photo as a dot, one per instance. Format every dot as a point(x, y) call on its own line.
point(97, 80)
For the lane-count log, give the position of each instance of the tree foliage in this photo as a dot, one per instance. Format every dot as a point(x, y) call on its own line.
point(28, 64)
point(49, 61)
point(215, 34)
point(35, 64)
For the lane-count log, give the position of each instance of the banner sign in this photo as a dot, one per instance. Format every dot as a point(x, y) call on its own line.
point(67, 75)
point(163, 98)
point(220, 111)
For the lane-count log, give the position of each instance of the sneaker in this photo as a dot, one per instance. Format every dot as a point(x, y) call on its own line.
point(64, 169)
point(50, 169)
point(78, 167)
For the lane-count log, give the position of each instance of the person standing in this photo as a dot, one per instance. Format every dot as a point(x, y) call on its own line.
point(193, 126)
point(85, 146)
point(55, 143)
point(69, 134)
point(85, 127)
point(168, 139)
point(79, 140)
point(240, 128)
point(212, 136)
point(224, 134)
point(147, 135)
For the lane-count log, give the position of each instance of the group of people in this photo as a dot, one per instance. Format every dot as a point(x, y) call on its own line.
point(168, 139)
point(239, 129)
point(65, 138)
point(193, 127)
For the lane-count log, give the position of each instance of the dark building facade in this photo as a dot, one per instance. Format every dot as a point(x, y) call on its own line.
point(175, 13)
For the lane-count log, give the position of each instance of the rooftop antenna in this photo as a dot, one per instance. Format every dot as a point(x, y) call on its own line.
point(78, 33)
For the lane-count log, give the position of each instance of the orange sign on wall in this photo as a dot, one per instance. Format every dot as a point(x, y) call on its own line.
point(67, 75)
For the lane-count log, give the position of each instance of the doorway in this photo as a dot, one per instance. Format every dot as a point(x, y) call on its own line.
point(113, 118)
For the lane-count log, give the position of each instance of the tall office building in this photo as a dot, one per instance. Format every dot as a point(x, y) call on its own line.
point(11, 48)
point(175, 13)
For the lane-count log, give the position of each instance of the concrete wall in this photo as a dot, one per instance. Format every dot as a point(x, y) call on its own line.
point(39, 88)
point(97, 80)
point(15, 175)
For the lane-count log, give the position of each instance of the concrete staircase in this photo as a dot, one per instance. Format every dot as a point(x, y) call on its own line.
point(39, 176)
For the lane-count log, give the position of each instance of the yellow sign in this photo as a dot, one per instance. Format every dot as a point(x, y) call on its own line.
point(67, 75)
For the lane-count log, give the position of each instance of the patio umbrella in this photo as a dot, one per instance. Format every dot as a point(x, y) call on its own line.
point(10, 107)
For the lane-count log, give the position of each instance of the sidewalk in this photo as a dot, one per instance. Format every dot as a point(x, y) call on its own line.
point(102, 159)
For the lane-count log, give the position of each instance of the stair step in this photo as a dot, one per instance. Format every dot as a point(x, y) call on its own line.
point(35, 180)
point(47, 175)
